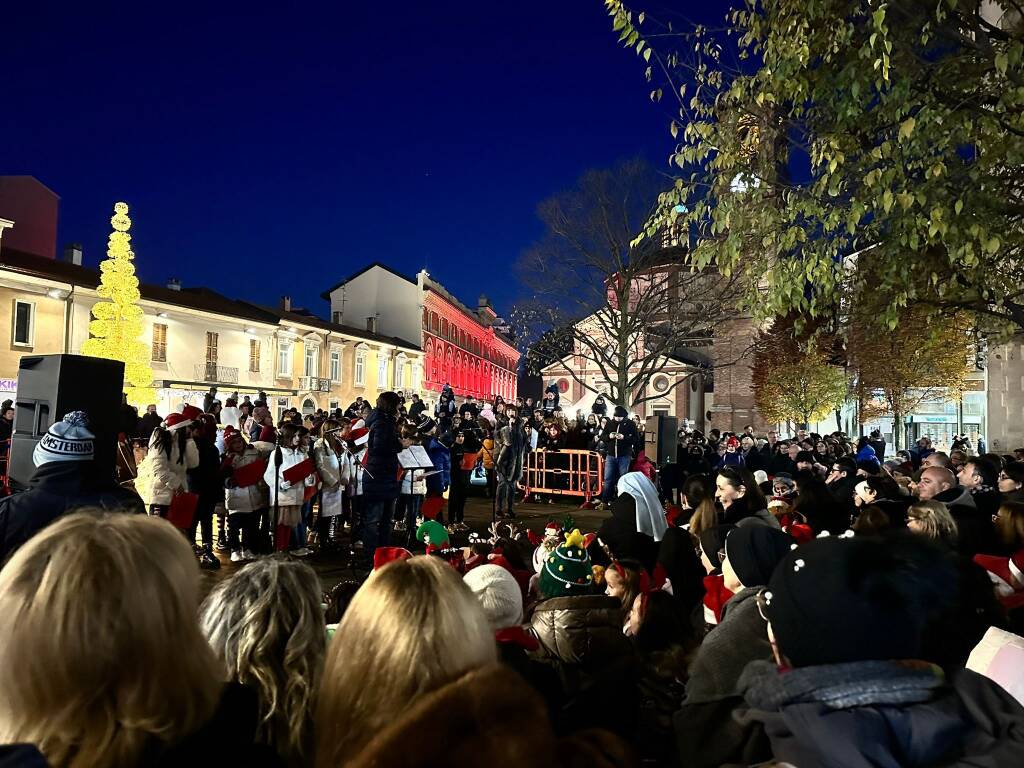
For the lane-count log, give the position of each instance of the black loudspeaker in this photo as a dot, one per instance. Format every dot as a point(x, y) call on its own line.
point(660, 438)
point(50, 386)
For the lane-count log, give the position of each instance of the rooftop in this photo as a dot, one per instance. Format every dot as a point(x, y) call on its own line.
point(202, 299)
point(327, 294)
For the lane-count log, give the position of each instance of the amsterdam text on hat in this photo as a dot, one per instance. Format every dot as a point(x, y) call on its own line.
point(67, 440)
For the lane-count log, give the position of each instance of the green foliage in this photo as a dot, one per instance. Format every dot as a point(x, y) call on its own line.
point(909, 116)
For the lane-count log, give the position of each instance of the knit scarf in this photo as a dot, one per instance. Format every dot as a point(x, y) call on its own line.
point(840, 686)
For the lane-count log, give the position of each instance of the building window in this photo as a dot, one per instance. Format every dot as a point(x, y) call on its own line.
point(254, 356)
point(159, 353)
point(415, 376)
point(312, 359)
point(336, 317)
point(282, 405)
point(360, 368)
point(333, 405)
point(400, 373)
point(284, 358)
point(24, 323)
point(335, 365)
point(211, 347)
point(382, 371)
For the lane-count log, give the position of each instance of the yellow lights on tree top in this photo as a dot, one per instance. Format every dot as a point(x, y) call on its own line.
point(117, 323)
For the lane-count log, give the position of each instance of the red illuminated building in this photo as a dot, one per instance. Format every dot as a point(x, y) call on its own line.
point(461, 347)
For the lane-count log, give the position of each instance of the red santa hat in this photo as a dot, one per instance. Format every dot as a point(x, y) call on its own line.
point(384, 555)
point(190, 412)
point(732, 442)
point(553, 529)
point(359, 436)
point(176, 421)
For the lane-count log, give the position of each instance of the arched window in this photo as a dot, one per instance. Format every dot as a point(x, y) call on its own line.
point(426, 319)
point(434, 322)
point(444, 328)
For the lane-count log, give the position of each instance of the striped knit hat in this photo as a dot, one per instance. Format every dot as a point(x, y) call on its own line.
point(67, 440)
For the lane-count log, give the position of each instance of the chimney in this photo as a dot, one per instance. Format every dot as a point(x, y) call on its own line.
point(371, 323)
point(174, 284)
point(483, 302)
point(286, 303)
point(73, 253)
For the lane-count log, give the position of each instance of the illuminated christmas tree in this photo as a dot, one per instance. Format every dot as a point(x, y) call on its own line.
point(117, 323)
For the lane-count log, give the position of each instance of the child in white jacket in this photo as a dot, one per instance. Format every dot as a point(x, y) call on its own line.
point(172, 453)
point(288, 496)
point(414, 488)
point(334, 464)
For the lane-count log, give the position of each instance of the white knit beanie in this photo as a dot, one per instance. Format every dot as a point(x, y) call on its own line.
point(67, 440)
point(498, 593)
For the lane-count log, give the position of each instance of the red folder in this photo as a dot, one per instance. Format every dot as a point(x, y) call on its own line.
point(469, 461)
point(250, 474)
point(300, 471)
point(183, 509)
point(431, 507)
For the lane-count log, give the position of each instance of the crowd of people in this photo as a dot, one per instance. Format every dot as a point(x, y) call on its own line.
point(799, 602)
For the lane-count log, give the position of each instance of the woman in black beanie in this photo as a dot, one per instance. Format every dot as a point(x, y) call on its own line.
point(847, 620)
point(751, 554)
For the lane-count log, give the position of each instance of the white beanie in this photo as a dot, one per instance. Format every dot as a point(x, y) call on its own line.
point(67, 440)
point(498, 593)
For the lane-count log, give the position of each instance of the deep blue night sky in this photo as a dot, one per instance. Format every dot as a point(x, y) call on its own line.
point(272, 151)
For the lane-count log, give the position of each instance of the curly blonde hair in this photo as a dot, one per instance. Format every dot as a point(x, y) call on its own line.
point(100, 653)
point(266, 627)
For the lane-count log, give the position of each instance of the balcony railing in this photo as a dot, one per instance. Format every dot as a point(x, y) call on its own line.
point(217, 374)
point(314, 384)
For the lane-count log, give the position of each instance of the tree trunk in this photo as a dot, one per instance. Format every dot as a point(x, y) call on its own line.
point(897, 429)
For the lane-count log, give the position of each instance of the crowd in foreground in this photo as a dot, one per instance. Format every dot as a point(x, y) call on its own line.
point(733, 610)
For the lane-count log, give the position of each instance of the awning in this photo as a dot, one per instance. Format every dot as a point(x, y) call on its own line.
point(204, 386)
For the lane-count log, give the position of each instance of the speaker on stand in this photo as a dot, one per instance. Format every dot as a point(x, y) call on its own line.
point(50, 386)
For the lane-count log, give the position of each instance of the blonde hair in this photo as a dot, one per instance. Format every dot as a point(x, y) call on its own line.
point(411, 628)
point(267, 629)
point(100, 651)
point(935, 520)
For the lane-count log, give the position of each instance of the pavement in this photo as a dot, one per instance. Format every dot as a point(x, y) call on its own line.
point(335, 567)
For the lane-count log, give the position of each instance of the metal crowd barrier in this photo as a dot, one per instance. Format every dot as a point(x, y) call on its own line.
point(564, 473)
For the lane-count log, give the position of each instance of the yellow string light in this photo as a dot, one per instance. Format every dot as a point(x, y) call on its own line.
point(117, 323)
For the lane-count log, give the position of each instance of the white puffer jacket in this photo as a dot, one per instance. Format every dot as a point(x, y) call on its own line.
point(335, 468)
point(290, 494)
point(414, 483)
point(250, 497)
point(167, 473)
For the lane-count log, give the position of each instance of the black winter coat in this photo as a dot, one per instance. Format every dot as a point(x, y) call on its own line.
point(380, 482)
point(227, 739)
point(630, 441)
point(57, 489)
point(207, 479)
point(581, 641)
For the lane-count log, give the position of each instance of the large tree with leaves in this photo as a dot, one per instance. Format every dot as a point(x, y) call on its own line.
point(626, 310)
point(920, 361)
point(796, 375)
point(815, 133)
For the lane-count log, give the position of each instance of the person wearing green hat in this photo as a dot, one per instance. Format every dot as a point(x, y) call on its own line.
point(579, 631)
